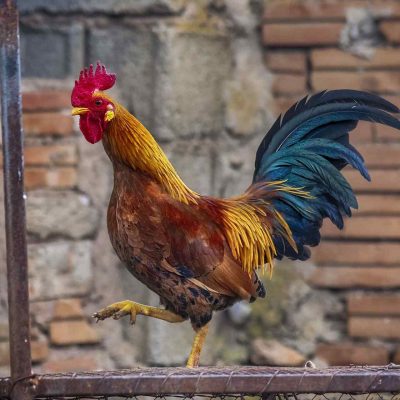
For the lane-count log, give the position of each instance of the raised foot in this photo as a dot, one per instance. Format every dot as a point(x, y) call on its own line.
point(121, 309)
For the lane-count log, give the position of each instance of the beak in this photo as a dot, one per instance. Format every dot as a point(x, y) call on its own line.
point(79, 110)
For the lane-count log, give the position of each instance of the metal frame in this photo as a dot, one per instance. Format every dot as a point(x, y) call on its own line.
point(212, 381)
point(23, 385)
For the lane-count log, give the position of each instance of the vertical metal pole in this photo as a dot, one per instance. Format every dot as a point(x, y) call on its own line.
point(17, 270)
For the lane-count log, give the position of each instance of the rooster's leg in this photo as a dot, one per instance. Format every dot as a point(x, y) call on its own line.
point(128, 307)
point(193, 360)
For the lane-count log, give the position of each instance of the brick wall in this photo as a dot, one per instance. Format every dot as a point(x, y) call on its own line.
point(307, 49)
point(209, 111)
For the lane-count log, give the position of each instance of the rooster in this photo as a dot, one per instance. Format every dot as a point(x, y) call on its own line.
point(200, 254)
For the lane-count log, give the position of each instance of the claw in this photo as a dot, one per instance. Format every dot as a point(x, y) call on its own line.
point(128, 307)
point(118, 310)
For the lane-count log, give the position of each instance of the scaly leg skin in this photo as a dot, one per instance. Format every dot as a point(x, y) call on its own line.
point(128, 307)
point(194, 357)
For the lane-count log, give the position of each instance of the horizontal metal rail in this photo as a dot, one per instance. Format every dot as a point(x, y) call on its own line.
point(214, 380)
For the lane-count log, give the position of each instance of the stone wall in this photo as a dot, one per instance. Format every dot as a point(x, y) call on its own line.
point(207, 78)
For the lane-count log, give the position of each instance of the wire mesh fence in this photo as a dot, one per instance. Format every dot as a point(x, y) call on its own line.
point(217, 383)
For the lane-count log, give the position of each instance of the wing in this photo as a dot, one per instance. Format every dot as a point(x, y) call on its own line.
point(194, 245)
point(196, 249)
point(184, 239)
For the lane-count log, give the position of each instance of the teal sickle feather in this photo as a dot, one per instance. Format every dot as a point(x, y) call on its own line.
point(307, 148)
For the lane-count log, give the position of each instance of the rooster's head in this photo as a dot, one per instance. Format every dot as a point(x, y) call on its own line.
point(95, 109)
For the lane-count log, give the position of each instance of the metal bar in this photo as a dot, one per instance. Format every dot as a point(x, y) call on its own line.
point(205, 380)
point(17, 271)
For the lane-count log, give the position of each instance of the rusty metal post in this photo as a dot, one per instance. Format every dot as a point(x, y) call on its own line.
point(17, 270)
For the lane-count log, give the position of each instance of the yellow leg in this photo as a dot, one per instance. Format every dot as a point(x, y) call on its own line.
point(128, 307)
point(193, 360)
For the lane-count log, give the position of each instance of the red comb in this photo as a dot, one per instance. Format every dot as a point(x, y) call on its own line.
point(89, 81)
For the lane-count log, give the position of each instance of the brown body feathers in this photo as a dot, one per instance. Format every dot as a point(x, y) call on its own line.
point(198, 253)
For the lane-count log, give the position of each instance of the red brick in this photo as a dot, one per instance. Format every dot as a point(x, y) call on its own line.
point(39, 350)
point(380, 154)
point(35, 178)
point(289, 84)
point(61, 178)
point(67, 309)
point(65, 154)
point(289, 9)
point(373, 304)
point(386, 133)
point(374, 327)
point(71, 364)
point(301, 34)
point(72, 332)
point(345, 253)
point(383, 8)
point(282, 104)
point(364, 227)
point(377, 81)
point(378, 204)
point(339, 59)
point(286, 61)
point(47, 123)
point(356, 277)
point(382, 180)
point(349, 353)
point(362, 133)
point(323, 9)
point(46, 100)
point(393, 98)
point(391, 30)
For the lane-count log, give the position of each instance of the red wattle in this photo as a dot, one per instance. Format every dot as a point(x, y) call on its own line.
point(91, 127)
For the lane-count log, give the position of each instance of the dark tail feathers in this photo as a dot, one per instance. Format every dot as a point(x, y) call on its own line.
point(307, 147)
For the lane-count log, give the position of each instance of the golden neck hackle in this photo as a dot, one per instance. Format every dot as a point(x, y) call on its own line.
point(134, 145)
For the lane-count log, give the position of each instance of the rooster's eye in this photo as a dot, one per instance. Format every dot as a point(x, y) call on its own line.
point(98, 102)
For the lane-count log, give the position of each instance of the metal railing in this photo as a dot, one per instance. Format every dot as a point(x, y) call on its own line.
point(256, 381)
point(157, 382)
